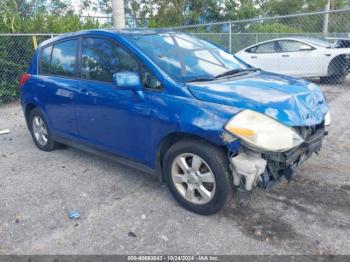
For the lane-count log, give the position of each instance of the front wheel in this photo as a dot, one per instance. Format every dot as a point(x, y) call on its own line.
point(333, 79)
point(197, 175)
point(337, 70)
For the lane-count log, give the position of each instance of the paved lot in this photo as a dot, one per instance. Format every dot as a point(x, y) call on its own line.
point(311, 215)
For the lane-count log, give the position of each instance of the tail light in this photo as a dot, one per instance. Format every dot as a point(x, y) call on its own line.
point(23, 79)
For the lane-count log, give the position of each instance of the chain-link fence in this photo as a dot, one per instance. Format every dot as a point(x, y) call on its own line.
point(330, 63)
point(236, 35)
point(306, 56)
point(16, 51)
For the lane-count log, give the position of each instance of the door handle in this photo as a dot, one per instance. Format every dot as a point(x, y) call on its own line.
point(85, 92)
point(253, 56)
point(285, 55)
point(41, 85)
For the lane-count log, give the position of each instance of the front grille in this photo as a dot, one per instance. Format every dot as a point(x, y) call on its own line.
point(306, 132)
point(312, 135)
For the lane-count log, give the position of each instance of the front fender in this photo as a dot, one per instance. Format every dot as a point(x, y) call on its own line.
point(186, 115)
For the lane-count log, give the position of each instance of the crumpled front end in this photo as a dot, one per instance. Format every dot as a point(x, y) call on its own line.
point(280, 123)
point(252, 167)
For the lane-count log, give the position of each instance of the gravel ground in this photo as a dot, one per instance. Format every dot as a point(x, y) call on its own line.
point(125, 211)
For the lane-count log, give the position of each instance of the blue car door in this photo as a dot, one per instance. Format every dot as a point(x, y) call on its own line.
point(57, 85)
point(109, 118)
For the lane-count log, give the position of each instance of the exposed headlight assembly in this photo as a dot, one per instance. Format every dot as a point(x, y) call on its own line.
point(262, 132)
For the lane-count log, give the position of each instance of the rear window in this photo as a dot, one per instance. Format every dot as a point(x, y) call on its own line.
point(63, 58)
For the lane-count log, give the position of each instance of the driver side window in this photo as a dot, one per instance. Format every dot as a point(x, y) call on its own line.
point(101, 58)
point(149, 81)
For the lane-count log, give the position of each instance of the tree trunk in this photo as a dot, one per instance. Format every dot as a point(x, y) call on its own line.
point(118, 14)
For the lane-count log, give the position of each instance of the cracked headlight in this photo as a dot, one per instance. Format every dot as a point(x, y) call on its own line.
point(327, 119)
point(262, 132)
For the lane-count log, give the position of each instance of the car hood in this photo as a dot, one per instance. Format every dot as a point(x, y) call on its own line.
point(291, 101)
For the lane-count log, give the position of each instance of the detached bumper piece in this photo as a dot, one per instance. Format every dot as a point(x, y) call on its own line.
point(250, 168)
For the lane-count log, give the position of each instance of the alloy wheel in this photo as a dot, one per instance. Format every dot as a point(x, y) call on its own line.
point(193, 178)
point(40, 130)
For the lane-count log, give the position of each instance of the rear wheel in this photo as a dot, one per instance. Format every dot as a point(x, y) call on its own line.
point(40, 132)
point(197, 175)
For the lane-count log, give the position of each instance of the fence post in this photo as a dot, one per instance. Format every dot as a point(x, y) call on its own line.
point(326, 17)
point(35, 42)
point(230, 37)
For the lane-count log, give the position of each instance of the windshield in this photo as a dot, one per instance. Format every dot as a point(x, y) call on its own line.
point(318, 42)
point(185, 58)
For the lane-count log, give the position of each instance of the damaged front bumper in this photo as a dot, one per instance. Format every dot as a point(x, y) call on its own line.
point(252, 168)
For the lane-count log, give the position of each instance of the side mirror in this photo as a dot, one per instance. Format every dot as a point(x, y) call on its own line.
point(305, 48)
point(127, 81)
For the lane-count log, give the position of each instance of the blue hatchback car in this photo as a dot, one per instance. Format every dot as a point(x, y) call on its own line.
point(171, 104)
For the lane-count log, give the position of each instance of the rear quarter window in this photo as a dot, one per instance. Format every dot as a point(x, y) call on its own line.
point(45, 60)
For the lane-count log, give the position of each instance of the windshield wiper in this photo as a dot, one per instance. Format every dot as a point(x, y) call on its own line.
point(236, 71)
point(227, 73)
point(200, 79)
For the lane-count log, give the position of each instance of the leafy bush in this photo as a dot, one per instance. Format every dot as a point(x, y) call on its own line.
point(274, 28)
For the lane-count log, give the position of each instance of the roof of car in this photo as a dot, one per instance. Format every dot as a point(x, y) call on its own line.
point(139, 31)
point(120, 31)
point(310, 40)
point(301, 38)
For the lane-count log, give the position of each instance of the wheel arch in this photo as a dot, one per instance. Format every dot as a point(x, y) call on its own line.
point(28, 108)
point(170, 140)
point(336, 64)
point(29, 105)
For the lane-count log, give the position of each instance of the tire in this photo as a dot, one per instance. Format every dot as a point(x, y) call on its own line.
point(40, 131)
point(189, 188)
point(337, 71)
